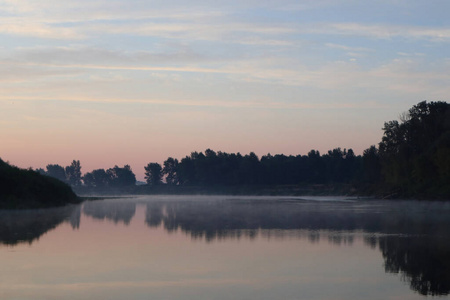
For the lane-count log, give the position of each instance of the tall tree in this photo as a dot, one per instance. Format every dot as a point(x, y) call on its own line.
point(73, 173)
point(250, 169)
point(411, 151)
point(97, 178)
point(171, 171)
point(186, 171)
point(371, 165)
point(122, 177)
point(153, 173)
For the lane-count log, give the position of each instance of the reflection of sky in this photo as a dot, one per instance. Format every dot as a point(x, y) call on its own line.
point(148, 80)
point(103, 259)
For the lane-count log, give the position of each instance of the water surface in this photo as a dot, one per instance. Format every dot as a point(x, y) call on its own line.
point(221, 247)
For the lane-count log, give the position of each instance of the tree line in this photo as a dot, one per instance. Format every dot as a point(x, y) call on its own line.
point(413, 158)
point(415, 153)
point(220, 168)
point(99, 178)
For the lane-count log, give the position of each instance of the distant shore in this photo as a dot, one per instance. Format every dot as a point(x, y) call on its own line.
point(257, 190)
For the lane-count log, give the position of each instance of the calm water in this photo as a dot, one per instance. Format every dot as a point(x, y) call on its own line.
point(203, 247)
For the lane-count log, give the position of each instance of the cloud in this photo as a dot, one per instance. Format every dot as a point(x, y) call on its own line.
point(409, 74)
point(221, 31)
point(383, 31)
point(224, 21)
point(191, 103)
point(73, 55)
point(40, 30)
point(127, 46)
point(402, 77)
point(347, 48)
point(411, 54)
point(267, 42)
point(13, 72)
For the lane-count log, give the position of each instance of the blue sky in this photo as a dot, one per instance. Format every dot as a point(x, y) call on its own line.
point(133, 82)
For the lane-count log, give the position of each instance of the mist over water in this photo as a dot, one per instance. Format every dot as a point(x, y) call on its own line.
point(227, 247)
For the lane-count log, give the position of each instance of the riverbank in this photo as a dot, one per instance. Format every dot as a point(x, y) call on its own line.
point(26, 189)
point(368, 190)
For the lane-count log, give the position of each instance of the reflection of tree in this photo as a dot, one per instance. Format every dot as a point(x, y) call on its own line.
point(26, 226)
point(114, 211)
point(219, 219)
point(75, 218)
point(423, 261)
point(412, 236)
point(154, 215)
point(210, 220)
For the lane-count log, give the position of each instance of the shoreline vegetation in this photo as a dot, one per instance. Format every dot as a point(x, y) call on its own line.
point(26, 189)
point(411, 161)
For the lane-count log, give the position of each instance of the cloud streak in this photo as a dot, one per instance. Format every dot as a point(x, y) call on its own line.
point(406, 75)
point(386, 31)
point(180, 102)
point(39, 30)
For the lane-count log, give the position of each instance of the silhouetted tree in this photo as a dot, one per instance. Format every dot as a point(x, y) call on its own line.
point(335, 165)
point(371, 165)
point(351, 166)
point(122, 177)
point(153, 173)
point(316, 167)
point(41, 171)
point(73, 173)
point(412, 152)
point(186, 171)
point(249, 172)
point(171, 171)
point(56, 171)
point(97, 178)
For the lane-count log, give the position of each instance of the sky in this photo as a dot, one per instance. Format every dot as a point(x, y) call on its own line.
point(115, 82)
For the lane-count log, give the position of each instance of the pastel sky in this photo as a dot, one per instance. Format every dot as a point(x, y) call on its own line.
point(131, 81)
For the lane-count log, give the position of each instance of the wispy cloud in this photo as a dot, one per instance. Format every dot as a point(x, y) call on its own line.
point(383, 31)
point(268, 69)
point(347, 48)
point(217, 31)
point(175, 53)
point(196, 21)
point(40, 30)
point(191, 103)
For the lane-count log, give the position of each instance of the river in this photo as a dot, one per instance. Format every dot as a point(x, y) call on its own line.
point(227, 247)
